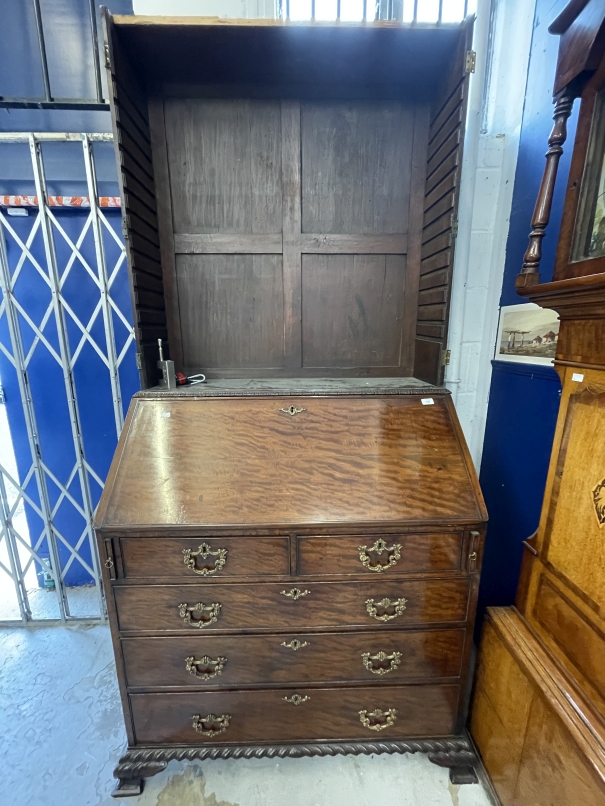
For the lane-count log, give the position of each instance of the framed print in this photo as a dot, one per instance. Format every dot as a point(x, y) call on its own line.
point(527, 334)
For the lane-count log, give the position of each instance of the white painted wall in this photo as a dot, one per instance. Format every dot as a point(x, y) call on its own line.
point(502, 40)
point(240, 9)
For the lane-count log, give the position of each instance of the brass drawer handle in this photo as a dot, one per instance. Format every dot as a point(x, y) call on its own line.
point(203, 552)
point(295, 644)
point(211, 725)
point(379, 547)
point(205, 668)
point(394, 660)
point(296, 699)
point(295, 594)
point(378, 720)
point(391, 609)
point(292, 411)
point(199, 615)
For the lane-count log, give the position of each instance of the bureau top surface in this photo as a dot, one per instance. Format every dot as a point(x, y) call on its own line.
point(305, 460)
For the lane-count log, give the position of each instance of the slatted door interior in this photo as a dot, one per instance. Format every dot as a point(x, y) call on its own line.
point(290, 234)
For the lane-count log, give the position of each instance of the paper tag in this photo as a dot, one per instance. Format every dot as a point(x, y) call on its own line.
point(165, 414)
point(577, 376)
point(427, 401)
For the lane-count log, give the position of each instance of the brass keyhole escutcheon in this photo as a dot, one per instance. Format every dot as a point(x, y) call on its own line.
point(293, 410)
point(295, 644)
point(295, 594)
point(296, 699)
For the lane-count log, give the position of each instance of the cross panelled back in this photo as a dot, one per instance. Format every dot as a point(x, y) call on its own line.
point(290, 228)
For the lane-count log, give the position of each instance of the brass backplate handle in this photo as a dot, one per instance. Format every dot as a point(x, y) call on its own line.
point(210, 725)
point(205, 668)
point(377, 719)
point(295, 644)
point(392, 608)
point(381, 658)
point(379, 547)
point(199, 615)
point(205, 551)
point(295, 594)
point(296, 699)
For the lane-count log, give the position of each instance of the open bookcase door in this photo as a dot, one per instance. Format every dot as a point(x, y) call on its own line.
point(444, 163)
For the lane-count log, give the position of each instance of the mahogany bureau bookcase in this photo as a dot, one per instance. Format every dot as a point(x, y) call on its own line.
point(291, 550)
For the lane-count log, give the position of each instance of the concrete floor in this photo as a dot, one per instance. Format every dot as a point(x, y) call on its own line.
point(62, 731)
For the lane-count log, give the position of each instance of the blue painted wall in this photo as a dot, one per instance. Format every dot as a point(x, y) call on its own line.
point(524, 399)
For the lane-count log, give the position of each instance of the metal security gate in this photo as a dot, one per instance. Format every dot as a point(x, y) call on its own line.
point(66, 356)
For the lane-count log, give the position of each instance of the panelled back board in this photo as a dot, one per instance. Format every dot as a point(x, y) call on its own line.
point(304, 200)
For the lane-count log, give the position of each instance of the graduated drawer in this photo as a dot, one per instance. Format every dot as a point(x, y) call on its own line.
point(204, 558)
point(212, 661)
point(266, 716)
point(378, 554)
point(280, 606)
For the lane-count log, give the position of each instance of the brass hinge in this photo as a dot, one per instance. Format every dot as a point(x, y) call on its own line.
point(125, 226)
point(455, 228)
point(107, 57)
point(139, 360)
point(470, 61)
point(445, 357)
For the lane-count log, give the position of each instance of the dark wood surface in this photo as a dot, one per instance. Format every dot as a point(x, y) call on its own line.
point(132, 138)
point(438, 237)
point(264, 716)
point(262, 556)
point(244, 461)
point(417, 553)
point(294, 658)
point(263, 605)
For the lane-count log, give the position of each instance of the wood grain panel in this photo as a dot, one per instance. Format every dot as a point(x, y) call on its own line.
point(253, 660)
point(341, 555)
point(581, 641)
point(572, 508)
point(262, 605)
point(225, 165)
point(163, 557)
point(364, 295)
point(355, 167)
point(232, 310)
point(258, 716)
point(551, 770)
point(217, 243)
point(237, 460)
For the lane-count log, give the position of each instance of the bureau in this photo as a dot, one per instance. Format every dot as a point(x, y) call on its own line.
point(292, 573)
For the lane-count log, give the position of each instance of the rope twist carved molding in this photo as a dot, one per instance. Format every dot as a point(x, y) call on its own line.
point(144, 763)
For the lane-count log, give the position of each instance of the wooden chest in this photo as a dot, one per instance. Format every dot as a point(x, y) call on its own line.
point(291, 573)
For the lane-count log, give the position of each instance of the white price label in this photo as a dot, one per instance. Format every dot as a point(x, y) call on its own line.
point(577, 376)
point(427, 401)
point(165, 414)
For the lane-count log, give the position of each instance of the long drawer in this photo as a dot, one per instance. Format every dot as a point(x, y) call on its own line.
point(384, 554)
point(278, 715)
point(212, 661)
point(149, 557)
point(275, 606)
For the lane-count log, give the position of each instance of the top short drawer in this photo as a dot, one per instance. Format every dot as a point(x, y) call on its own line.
point(380, 554)
point(204, 558)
